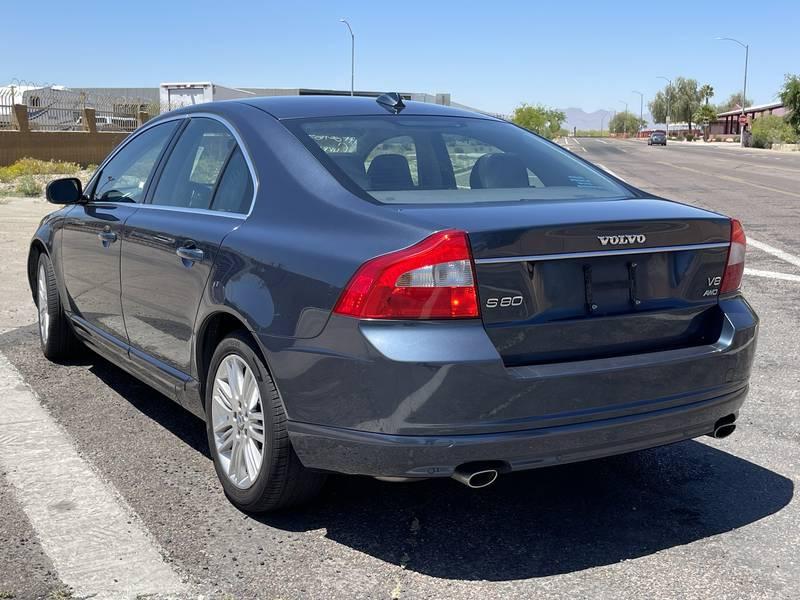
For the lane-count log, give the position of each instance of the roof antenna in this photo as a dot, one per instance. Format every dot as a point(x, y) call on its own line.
point(392, 101)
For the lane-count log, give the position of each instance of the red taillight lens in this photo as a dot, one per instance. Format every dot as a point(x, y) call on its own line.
point(429, 280)
point(732, 279)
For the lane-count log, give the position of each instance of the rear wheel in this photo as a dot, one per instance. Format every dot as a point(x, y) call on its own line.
point(247, 433)
point(55, 333)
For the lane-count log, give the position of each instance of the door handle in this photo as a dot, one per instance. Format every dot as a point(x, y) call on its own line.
point(189, 253)
point(107, 238)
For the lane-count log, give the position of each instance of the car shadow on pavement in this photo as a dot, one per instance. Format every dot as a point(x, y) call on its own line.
point(533, 524)
point(548, 521)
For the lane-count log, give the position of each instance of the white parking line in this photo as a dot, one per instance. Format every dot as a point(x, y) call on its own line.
point(771, 274)
point(777, 252)
point(95, 541)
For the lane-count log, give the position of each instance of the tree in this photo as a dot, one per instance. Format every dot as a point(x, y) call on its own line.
point(539, 119)
point(790, 96)
point(683, 97)
point(706, 92)
point(658, 105)
point(705, 114)
point(733, 102)
point(625, 122)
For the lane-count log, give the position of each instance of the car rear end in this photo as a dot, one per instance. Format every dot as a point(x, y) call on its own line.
point(582, 320)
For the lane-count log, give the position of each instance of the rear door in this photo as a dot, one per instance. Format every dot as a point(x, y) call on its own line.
point(204, 191)
point(92, 232)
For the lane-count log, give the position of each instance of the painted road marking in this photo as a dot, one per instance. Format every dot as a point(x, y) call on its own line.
point(607, 170)
point(95, 541)
point(734, 179)
point(771, 274)
point(777, 252)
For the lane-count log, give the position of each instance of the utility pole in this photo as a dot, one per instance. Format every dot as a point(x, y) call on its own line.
point(669, 94)
point(744, 86)
point(352, 56)
point(641, 109)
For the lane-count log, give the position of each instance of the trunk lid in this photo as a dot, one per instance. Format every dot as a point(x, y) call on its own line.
point(561, 281)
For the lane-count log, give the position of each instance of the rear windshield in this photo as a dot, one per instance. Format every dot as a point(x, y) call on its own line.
point(397, 159)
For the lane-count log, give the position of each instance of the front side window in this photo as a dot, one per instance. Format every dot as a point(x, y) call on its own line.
point(194, 166)
point(124, 178)
point(407, 159)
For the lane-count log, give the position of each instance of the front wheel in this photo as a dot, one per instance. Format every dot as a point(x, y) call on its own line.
point(55, 333)
point(247, 433)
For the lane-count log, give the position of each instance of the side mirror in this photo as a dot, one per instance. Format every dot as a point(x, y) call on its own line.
point(65, 191)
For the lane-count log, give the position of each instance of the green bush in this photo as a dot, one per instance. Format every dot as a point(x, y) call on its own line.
point(33, 166)
point(772, 129)
point(689, 137)
point(28, 186)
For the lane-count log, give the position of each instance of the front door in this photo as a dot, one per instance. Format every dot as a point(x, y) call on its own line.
point(203, 192)
point(92, 234)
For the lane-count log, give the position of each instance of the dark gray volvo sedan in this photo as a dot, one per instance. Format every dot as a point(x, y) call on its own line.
point(397, 290)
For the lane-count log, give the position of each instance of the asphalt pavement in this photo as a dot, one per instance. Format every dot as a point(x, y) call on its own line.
point(698, 519)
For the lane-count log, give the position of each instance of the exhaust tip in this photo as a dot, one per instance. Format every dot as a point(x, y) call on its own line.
point(724, 427)
point(724, 431)
point(482, 479)
point(477, 475)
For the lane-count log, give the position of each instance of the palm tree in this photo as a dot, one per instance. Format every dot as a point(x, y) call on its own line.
point(706, 92)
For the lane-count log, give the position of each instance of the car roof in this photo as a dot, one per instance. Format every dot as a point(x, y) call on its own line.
point(296, 107)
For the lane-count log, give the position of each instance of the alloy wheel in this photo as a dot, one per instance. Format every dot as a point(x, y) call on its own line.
point(44, 313)
point(238, 421)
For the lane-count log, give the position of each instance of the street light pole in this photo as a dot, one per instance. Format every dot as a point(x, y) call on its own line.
point(352, 56)
point(669, 94)
point(641, 109)
point(744, 86)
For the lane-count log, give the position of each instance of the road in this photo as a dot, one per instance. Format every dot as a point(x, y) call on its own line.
point(699, 519)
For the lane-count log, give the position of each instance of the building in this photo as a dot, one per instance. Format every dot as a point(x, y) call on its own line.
point(727, 123)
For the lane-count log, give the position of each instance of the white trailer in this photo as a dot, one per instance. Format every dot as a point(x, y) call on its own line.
point(176, 95)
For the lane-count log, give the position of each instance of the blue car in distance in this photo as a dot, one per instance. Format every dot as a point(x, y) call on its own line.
point(390, 289)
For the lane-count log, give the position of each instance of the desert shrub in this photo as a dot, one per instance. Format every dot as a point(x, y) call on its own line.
point(689, 137)
point(28, 186)
point(34, 166)
point(772, 129)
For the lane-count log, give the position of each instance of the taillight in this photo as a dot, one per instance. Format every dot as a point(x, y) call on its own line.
point(732, 279)
point(429, 280)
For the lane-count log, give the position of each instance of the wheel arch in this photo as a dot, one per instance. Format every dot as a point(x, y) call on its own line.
point(37, 248)
point(213, 329)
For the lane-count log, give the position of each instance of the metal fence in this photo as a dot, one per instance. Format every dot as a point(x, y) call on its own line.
point(7, 108)
point(55, 108)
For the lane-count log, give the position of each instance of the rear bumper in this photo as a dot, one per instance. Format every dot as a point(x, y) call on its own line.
point(419, 399)
point(365, 453)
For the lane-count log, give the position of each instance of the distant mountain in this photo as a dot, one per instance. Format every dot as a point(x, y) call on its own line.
point(580, 119)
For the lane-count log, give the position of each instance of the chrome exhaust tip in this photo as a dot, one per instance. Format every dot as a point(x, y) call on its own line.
point(475, 478)
point(724, 427)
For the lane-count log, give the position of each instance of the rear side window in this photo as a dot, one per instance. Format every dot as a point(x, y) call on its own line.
point(407, 159)
point(235, 190)
point(124, 178)
point(193, 169)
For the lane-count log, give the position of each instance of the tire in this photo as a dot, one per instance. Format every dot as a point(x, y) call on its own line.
point(281, 481)
point(56, 337)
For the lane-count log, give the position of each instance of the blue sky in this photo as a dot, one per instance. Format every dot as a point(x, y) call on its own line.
point(490, 55)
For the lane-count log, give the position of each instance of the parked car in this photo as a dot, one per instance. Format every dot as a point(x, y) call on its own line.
point(312, 277)
point(658, 138)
